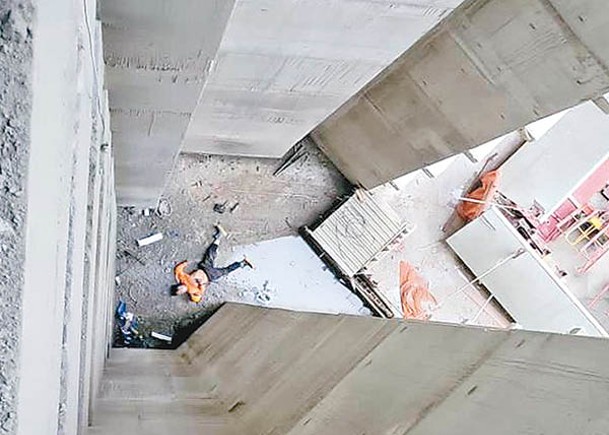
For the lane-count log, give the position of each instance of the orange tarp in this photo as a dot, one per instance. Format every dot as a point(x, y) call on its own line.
point(471, 210)
point(415, 295)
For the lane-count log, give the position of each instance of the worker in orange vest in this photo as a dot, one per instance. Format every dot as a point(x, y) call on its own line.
point(196, 282)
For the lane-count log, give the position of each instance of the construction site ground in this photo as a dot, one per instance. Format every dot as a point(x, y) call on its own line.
point(428, 204)
point(264, 226)
point(263, 215)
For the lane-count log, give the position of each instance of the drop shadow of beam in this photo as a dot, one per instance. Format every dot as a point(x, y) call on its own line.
point(187, 326)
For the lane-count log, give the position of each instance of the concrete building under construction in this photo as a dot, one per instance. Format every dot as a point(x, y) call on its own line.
point(315, 131)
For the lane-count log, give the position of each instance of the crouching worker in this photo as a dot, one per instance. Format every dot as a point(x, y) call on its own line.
point(195, 283)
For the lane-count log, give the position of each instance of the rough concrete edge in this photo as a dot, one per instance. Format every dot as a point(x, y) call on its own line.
point(92, 227)
point(17, 20)
point(76, 290)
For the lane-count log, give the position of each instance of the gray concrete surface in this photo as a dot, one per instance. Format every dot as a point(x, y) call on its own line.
point(285, 65)
point(491, 67)
point(15, 102)
point(52, 120)
point(158, 55)
point(252, 370)
point(54, 112)
point(269, 208)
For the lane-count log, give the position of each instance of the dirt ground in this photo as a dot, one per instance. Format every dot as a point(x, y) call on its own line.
point(259, 207)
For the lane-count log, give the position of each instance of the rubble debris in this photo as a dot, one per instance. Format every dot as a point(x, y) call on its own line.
point(131, 296)
point(220, 208)
point(128, 324)
point(292, 156)
point(164, 208)
point(161, 337)
point(263, 297)
point(128, 253)
point(150, 239)
point(428, 173)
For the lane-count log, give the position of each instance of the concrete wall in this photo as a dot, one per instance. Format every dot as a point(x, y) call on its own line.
point(55, 125)
point(251, 370)
point(490, 68)
point(16, 105)
point(158, 54)
point(285, 65)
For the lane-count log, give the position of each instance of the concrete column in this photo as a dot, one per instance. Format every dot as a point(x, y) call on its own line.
point(158, 55)
point(491, 67)
point(54, 120)
point(285, 65)
point(54, 125)
point(68, 122)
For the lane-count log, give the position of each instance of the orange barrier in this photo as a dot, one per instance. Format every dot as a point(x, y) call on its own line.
point(471, 210)
point(414, 293)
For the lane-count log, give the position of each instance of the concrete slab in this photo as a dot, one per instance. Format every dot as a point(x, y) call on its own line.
point(158, 55)
point(292, 276)
point(284, 66)
point(251, 370)
point(491, 67)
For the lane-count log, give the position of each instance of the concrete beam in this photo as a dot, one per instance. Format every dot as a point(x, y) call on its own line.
point(158, 55)
point(255, 370)
point(54, 126)
point(491, 67)
point(285, 65)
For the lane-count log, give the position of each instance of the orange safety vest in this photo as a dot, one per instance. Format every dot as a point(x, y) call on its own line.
point(194, 289)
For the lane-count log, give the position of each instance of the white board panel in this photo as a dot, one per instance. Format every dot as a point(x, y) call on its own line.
point(524, 286)
point(547, 170)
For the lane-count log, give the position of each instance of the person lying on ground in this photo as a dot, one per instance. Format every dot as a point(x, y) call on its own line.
point(196, 282)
